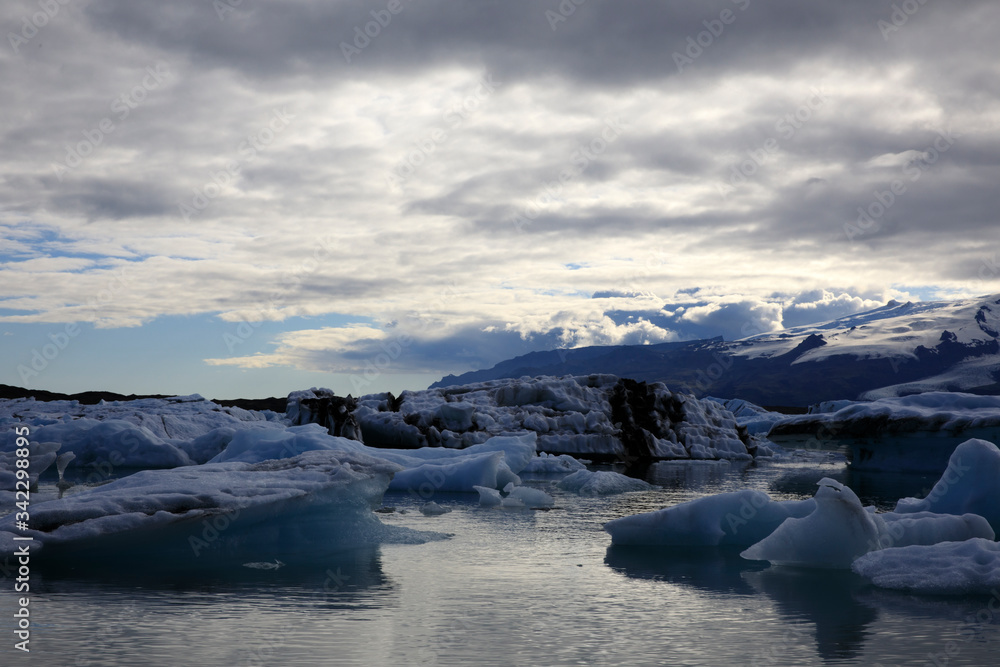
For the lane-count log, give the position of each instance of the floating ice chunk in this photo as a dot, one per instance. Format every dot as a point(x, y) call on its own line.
point(529, 497)
point(114, 442)
point(266, 565)
point(738, 518)
point(294, 508)
point(969, 484)
point(462, 475)
point(62, 461)
point(488, 497)
point(433, 509)
point(834, 535)
point(901, 530)
point(456, 416)
point(948, 568)
point(545, 464)
point(601, 483)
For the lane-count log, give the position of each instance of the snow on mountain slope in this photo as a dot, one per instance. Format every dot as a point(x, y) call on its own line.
point(893, 350)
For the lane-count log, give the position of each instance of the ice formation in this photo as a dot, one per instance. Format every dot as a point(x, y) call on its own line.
point(139, 434)
point(914, 433)
point(595, 415)
point(526, 496)
point(738, 518)
point(311, 503)
point(601, 483)
point(553, 464)
point(754, 418)
point(952, 568)
point(970, 484)
point(488, 496)
point(832, 536)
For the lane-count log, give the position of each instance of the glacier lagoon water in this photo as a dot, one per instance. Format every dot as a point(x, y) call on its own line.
point(517, 587)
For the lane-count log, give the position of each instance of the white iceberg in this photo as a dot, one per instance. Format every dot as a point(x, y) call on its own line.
point(832, 536)
point(552, 464)
point(312, 503)
point(948, 568)
point(738, 518)
point(601, 483)
point(591, 415)
point(970, 484)
point(488, 496)
point(526, 496)
point(913, 433)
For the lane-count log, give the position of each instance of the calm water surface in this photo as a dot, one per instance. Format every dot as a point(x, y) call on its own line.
point(518, 587)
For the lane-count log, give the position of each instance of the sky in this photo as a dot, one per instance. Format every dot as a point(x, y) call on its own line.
point(243, 198)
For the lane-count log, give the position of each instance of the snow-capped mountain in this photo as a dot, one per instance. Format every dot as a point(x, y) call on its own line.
point(895, 350)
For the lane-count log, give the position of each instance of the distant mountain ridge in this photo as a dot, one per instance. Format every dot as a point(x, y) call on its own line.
point(894, 350)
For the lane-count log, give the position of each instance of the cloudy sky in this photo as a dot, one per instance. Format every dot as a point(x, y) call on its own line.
point(242, 197)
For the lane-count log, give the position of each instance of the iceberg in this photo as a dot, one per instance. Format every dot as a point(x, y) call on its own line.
point(294, 509)
point(552, 464)
point(592, 415)
point(948, 568)
point(970, 484)
point(738, 518)
point(832, 536)
point(911, 434)
point(601, 483)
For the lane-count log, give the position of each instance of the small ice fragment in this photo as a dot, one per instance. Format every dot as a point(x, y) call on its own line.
point(488, 497)
point(433, 509)
point(265, 565)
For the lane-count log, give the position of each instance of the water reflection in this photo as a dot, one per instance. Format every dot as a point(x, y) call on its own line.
point(329, 577)
point(827, 598)
point(711, 569)
point(693, 475)
point(881, 489)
